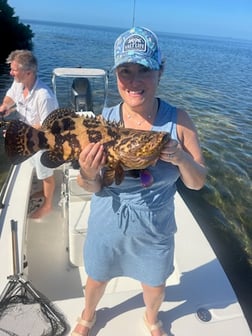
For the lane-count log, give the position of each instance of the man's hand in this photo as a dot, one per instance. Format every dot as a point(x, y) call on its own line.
point(6, 109)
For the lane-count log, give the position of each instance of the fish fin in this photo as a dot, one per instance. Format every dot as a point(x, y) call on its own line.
point(56, 115)
point(108, 177)
point(51, 160)
point(23, 141)
point(119, 174)
point(113, 175)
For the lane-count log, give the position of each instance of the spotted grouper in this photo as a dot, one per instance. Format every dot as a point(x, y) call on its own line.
point(64, 134)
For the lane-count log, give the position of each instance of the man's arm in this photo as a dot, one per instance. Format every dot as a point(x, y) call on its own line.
point(7, 106)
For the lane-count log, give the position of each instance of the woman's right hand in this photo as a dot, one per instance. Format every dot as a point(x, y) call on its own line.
point(91, 160)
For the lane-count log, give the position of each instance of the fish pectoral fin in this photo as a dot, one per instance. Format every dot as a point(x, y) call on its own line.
point(51, 160)
point(108, 177)
point(113, 175)
point(119, 174)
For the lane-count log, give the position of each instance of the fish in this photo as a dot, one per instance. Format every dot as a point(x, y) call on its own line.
point(64, 134)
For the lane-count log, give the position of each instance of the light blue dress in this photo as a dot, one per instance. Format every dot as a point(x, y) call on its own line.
point(131, 228)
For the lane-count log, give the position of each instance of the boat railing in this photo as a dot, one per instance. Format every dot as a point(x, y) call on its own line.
point(5, 185)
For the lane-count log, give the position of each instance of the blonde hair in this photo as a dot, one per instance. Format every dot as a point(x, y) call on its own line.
point(25, 59)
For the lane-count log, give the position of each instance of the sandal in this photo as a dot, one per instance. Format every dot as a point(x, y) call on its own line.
point(151, 327)
point(84, 323)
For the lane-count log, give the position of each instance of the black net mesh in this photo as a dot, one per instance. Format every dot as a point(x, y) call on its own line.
point(24, 311)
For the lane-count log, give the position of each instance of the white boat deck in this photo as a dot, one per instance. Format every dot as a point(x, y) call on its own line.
point(197, 282)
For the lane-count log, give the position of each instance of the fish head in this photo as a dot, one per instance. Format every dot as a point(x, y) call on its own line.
point(138, 149)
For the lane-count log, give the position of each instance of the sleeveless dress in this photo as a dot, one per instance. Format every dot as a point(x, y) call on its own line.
point(131, 228)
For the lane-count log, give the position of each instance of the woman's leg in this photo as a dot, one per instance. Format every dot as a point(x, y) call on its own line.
point(94, 291)
point(153, 298)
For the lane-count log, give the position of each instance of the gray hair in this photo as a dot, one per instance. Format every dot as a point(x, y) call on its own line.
point(25, 60)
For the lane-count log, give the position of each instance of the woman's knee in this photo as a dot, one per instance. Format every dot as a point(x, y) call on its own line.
point(154, 290)
point(95, 283)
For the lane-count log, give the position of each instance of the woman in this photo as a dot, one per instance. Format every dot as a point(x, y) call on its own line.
point(132, 234)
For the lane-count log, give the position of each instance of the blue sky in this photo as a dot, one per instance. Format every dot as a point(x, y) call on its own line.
point(228, 18)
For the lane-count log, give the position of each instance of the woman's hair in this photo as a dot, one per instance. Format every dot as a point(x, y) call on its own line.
point(162, 65)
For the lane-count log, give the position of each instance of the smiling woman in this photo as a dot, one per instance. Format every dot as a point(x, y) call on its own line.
point(143, 204)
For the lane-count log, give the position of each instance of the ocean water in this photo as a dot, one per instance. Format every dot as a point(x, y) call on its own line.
point(211, 79)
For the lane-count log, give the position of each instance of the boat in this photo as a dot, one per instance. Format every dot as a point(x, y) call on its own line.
point(44, 256)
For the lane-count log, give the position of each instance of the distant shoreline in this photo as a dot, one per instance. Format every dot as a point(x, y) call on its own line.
point(121, 29)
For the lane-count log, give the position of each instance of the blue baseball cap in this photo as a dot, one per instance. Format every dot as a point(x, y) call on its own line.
point(138, 45)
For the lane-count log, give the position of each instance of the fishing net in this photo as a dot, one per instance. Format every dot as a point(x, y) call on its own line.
point(24, 311)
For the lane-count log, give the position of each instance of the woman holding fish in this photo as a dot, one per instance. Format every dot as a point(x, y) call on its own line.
point(131, 225)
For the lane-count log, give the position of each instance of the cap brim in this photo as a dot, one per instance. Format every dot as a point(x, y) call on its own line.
point(148, 62)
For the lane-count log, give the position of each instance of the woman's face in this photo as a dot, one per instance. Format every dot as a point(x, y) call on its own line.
point(137, 84)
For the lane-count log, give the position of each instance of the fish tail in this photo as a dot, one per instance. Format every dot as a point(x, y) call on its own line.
point(22, 141)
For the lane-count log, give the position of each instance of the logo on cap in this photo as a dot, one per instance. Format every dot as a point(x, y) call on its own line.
point(135, 43)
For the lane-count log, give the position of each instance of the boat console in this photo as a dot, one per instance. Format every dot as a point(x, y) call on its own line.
point(81, 94)
point(82, 79)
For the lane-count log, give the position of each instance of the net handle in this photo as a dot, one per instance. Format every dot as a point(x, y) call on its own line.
point(14, 247)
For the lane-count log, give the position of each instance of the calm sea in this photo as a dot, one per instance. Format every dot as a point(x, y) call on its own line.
point(211, 79)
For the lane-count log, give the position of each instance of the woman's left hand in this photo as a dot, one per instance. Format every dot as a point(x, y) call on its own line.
point(192, 172)
point(172, 152)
